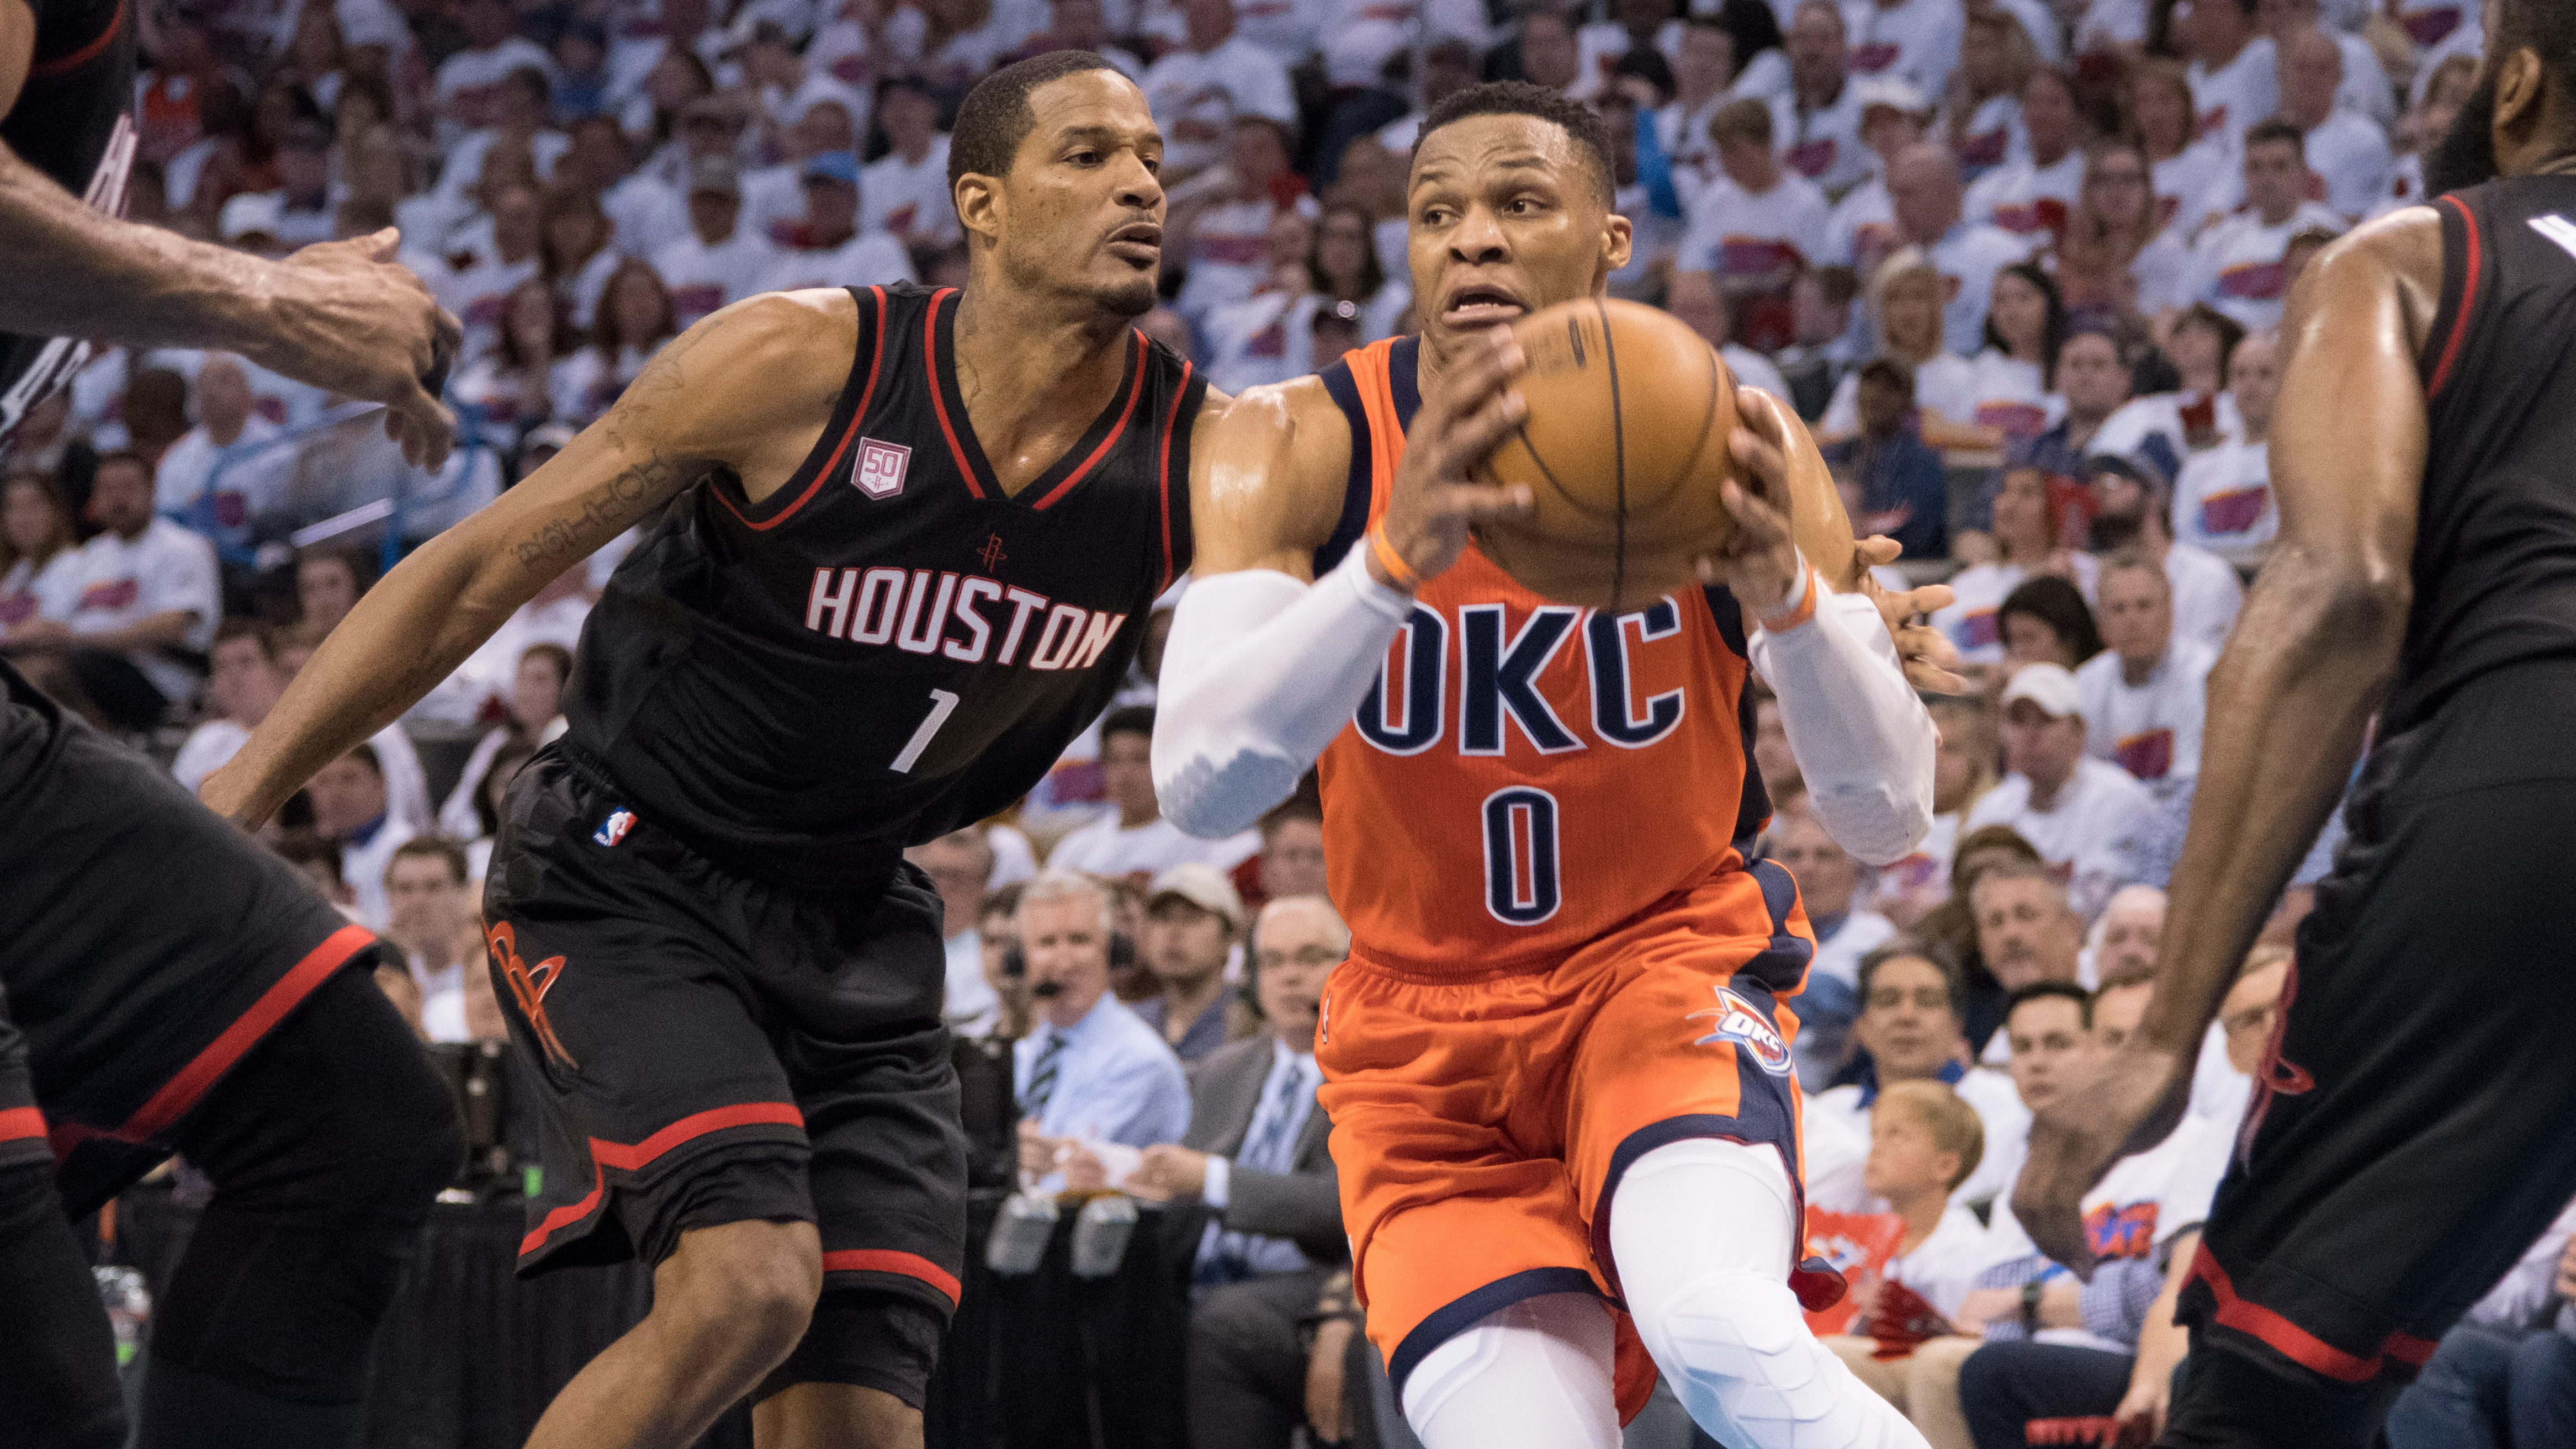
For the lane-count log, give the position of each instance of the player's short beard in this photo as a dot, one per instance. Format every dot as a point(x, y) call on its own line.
point(2466, 155)
point(1132, 298)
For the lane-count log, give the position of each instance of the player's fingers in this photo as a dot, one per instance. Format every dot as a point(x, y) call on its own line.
point(382, 245)
point(428, 428)
point(1478, 503)
point(1483, 369)
point(1472, 438)
point(1929, 599)
point(1877, 549)
point(1758, 525)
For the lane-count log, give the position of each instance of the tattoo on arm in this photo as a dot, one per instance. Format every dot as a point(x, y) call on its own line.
point(557, 542)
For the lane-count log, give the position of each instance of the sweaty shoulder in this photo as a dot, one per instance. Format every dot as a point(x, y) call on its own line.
point(749, 387)
point(1268, 471)
point(2402, 250)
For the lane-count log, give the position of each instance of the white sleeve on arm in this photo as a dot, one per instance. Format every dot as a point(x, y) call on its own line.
point(1863, 739)
point(1260, 673)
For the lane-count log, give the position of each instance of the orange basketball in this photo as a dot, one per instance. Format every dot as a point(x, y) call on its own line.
point(1624, 451)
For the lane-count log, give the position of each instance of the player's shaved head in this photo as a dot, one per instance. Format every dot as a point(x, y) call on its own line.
point(997, 116)
point(1590, 134)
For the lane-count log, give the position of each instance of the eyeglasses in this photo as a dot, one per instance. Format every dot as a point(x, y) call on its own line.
point(1307, 956)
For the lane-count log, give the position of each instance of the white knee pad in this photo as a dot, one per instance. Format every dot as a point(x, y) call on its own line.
point(1535, 1374)
point(1702, 1232)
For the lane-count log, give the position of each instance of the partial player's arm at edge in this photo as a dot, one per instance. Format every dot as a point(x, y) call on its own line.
point(2318, 643)
point(747, 389)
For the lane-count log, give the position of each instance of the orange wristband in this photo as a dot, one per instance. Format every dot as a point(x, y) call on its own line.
point(1396, 568)
point(1783, 623)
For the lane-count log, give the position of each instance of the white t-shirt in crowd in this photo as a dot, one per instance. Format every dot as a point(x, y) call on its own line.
point(2231, 99)
point(1974, 618)
point(2185, 180)
point(1212, 87)
point(119, 582)
point(896, 195)
point(1862, 932)
point(1999, 1111)
point(1914, 40)
point(1267, 338)
point(1105, 848)
point(1752, 369)
point(2151, 730)
point(1993, 136)
point(28, 592)
point(480, 296)
point(2133, 1212)
point(1945, 384)
point(2109, 24)
point(972, 1008)
point(2100, 830)
point(1824, 146)
point(2027, 200)
point(2206, 594)
point(2223, 501)
point(252, 482)
point(2243, 271)
point(705, 279)
point(362, 870)
point(2011, 395)
point(1861, 231)
point(1230, 254)
point(1753, 244)
point(208, 746)
point(868, 259)
point(2348, 168)
point(1944, 1266)
point(1684, 137)
point(1968, 259)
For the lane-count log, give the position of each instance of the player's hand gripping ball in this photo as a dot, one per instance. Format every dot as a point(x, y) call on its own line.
point(1624, 452)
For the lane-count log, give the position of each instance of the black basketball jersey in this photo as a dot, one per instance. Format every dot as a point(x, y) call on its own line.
point(2495, 543)
point(70, 122)
point(888, 647)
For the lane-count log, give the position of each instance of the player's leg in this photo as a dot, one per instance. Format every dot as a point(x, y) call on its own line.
point(1539, 1373)
point(326, 1144)
point(60, 1386)
point(2410, 1137)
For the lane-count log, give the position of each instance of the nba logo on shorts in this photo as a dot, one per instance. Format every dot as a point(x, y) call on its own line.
point(881, 468)
point(614, 828)
point(1748, 1029)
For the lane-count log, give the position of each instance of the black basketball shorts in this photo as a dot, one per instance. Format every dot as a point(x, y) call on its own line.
point(146, 946)
point(2413, 1129)
point(710, 1050)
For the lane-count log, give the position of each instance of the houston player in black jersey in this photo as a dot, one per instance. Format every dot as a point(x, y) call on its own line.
point(166, 983)
point(2410, 1135)
point(906, 545)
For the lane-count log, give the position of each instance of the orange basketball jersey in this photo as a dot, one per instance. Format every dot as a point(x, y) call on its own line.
point(1525, 775)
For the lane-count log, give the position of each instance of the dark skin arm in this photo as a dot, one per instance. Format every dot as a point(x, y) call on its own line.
point(2318, 644)
point(749, 389)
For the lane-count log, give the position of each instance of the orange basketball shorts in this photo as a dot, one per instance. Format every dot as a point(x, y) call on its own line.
point(1481, 1124)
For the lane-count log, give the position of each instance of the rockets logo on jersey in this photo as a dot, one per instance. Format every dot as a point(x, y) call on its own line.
point(922, 611)
point(1737, 1021)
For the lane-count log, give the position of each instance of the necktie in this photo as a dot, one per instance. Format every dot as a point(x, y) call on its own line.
point(1270, 1151)
point(1225, 1255)
point(1033, 1103)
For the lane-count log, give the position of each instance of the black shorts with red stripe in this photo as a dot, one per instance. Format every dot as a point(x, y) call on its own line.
point(2409, 1138)
point(710, 1049)
point(148, 947)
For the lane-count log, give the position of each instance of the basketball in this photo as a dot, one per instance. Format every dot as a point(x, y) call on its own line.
point(1623, 451)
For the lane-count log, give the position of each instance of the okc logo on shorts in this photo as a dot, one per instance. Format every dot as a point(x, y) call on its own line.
point(1738, 1022)
point(614, 828)
point(881, 468)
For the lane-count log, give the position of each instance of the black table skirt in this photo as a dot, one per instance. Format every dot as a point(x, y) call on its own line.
point(470, 1355)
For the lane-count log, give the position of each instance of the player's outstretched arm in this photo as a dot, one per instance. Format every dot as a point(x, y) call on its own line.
point(748, 389)
point(2317, 644)
point(1265, 667)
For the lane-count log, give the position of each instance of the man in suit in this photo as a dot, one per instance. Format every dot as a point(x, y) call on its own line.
point(1255, 1158)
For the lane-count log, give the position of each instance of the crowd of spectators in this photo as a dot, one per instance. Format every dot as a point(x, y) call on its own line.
point(2019, 262)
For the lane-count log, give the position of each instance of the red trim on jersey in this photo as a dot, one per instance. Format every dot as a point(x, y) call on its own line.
point(185, 1090)
point(18, 1122)
point(605, 1154)
point(47, 70)
point(2468, 299)
point(875, 359)
point(888, 1260)
point(1114, 433)
point(1163, 484)
point(2295, 1343)
point(939, 403)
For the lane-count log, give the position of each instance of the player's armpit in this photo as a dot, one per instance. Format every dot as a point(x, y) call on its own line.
point(748, 389)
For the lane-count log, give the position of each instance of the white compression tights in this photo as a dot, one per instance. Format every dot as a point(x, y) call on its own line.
point(1701, 1234)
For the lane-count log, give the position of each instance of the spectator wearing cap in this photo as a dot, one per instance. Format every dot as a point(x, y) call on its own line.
point(2133, 509)
point(1200, 86)
point(1193, 919)
point(1133, 840)
point(1904, 490)
point(2242, 259)
point(1861, 231)
point(1911, 1030)
point(719, 261)
point(1256, 1158)
point(1225, 231)
point(829, 250)
point(2145, 694)
point(1924, 190)
point(1816, 122)
point(904, 193)
point(960, 865)
point(2223, 499)
point(139, 601)
point(250, 220)
point(2088, 818)
point(1752, 228)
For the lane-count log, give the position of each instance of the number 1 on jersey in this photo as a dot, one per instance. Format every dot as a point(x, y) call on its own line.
point(942, 705)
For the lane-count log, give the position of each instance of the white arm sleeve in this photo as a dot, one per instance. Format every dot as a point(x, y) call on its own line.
point(1260, 673)
point(1863, 739)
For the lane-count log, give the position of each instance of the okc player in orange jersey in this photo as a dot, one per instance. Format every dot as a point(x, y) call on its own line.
point(1557, 1060)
